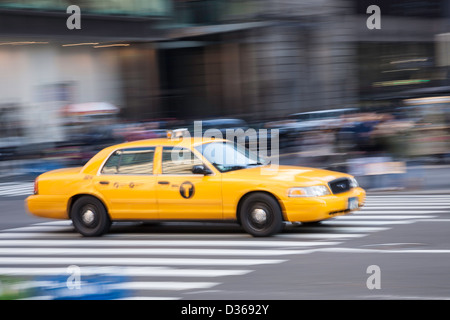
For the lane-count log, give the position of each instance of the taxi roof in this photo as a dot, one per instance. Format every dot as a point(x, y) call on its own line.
point(180, 142)
point(91, 167)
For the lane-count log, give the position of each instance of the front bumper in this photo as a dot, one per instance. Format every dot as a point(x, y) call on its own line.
point(321, 208)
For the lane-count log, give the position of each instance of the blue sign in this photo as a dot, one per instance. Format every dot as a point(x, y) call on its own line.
point(92, 287)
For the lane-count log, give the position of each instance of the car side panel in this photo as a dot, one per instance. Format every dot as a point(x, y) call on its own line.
point(234, 189)
point(55, 192)
point(127, 196)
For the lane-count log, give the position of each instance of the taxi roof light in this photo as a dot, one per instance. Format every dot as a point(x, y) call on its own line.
point(178, 133)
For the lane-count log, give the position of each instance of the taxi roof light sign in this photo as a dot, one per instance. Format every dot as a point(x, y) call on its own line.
point(178, 133)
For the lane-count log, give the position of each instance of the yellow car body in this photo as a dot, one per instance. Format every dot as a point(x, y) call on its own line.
point(141, 181)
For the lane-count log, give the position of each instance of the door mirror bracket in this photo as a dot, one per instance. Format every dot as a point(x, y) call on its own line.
point(201, 169)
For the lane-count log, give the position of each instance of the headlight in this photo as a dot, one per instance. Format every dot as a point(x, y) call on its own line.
point(353, 183)
point(315, 191)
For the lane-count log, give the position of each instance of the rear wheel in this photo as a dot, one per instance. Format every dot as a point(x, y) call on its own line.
point(90, 217)
point(260, 215)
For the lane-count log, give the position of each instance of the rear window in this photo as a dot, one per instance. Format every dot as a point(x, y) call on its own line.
point(130, 161)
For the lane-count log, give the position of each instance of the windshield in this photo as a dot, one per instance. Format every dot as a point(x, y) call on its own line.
point(227, 156)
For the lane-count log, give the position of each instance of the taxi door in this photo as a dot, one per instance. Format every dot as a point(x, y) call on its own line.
point(183, 195)
point(128, 185)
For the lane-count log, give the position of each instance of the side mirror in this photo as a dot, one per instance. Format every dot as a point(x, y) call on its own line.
point(201, 169)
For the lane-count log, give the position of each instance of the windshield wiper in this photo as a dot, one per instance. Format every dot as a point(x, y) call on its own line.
point(233, 168)
point(237, 167)
point(256, 164)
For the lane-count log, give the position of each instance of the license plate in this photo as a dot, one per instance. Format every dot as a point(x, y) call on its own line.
point(353, 203)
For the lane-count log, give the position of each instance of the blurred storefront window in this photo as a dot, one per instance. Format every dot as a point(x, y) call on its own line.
point(410, 8)
point(201, 12)
point(386, 68)
point(109, 7)
point(10, 124)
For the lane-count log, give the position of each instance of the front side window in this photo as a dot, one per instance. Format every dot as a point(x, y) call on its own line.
point(130, 161)
point(176, 160)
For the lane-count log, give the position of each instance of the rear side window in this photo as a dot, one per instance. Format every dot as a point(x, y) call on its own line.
point(130, 161)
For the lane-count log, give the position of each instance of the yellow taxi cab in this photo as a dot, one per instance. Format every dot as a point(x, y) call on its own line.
point(190, 179)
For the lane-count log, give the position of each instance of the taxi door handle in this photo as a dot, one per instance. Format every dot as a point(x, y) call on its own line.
point(104, 182)
point(163, 182)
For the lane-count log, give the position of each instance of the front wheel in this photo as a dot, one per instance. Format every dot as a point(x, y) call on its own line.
point(90, 217)
point(260, 215)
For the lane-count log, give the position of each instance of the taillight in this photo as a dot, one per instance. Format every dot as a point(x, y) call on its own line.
point(36, 188)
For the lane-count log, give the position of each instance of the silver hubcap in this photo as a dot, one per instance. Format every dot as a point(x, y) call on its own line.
point(259, 215)
point(88, 216)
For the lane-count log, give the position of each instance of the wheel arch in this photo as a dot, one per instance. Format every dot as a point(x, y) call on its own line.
point(243, 197)
point(75, 197)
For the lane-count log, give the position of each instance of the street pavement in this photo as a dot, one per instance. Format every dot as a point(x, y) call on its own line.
point(404, 235)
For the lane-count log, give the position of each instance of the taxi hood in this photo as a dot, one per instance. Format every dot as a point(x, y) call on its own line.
point(303, 176)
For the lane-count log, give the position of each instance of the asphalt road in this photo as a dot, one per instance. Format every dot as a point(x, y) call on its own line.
point(397, 247)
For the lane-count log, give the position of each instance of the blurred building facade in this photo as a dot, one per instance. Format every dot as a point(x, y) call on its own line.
point(255, 59)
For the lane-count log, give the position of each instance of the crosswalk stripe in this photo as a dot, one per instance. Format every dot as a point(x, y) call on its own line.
point(338, 233)
point(37, 235)
point(12, 193)
point(163, 285)
point(126, 271)
point(135, 261)
point(407, 201)
point(16, 192)
point(320, 235)
point(83, 242)
point(298, 234)
point(137, 285)
point(70, 233)
point(34, 228)
point(362, 222)
point(16, 189)
point(142, 252)
point(346, 230)
point(16, 186)
point(150, 298)
point(387, 212)
point(413, 196)
point(10, 189)
point(410, 207)
point(421, 206)
point(436, 220)
point(54, 223)
point(385, 216)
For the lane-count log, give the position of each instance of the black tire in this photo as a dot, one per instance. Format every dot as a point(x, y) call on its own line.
point(260, 215)
point(89, 217)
